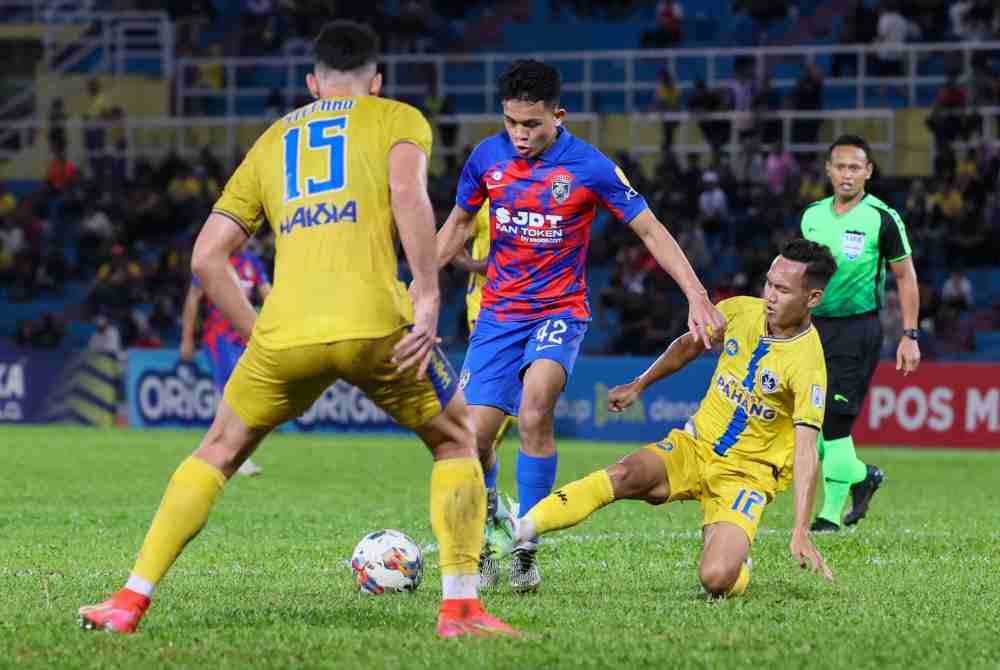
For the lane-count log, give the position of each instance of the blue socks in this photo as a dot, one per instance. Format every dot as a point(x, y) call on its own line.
point(535, 478)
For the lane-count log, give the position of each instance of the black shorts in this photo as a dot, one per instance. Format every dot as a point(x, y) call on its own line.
point(851, 346)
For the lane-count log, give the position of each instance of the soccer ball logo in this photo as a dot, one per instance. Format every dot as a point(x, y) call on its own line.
point(387, 560)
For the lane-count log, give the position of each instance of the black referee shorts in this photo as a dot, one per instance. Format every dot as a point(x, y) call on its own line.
point(851, 346)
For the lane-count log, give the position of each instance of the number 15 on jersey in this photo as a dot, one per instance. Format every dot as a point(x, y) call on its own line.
point(329, 171)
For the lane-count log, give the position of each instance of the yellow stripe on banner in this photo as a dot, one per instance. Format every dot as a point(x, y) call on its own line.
point(104, 364)
point(91, 412)
point(97, 387)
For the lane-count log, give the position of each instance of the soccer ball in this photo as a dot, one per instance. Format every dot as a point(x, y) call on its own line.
point(387, 560)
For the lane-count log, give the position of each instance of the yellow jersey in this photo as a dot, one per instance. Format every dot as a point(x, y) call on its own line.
point(480, 250)
point(320, 175)
point(761, 389)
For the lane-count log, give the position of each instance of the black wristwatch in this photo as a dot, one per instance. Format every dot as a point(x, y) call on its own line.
point(912, 333)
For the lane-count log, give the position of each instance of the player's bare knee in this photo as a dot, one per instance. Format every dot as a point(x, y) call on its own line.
point(717, 577)
point(630, 480)
point(534, 421)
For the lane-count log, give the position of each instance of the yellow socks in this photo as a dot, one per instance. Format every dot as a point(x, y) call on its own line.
point(183, 512)
point(458, 515)
point(740, 585)
point(571, 504)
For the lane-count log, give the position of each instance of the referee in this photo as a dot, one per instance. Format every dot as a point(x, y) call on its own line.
point(864, 235)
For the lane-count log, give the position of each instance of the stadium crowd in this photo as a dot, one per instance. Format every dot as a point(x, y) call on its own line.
point(130, 240)
point(128, 233)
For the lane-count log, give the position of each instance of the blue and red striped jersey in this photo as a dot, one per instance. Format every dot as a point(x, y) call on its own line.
point(541, 211)
point(251, 274)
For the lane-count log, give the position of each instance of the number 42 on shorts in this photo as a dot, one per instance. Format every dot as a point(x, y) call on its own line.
point(549, 334)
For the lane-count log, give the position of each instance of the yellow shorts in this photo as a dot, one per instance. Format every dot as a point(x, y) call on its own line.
point(271, 386)
point(735, 491)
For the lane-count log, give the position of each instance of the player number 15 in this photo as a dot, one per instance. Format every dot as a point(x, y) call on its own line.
point(319, 137)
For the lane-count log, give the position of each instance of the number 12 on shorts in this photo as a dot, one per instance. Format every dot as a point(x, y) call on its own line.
point(745, 501)
point(550, 334)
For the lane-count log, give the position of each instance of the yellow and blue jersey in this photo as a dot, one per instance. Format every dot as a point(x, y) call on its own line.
point(480, 250)
point(762, 387)
point(320, 175)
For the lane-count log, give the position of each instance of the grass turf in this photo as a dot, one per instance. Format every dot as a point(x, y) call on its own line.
point(265, 584)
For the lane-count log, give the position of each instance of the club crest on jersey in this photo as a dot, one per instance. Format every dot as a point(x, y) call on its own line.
point(768, 381)
point(497, 175)
point(818, 396)
point(732, 347)
point(854, 243)
point(560, 188)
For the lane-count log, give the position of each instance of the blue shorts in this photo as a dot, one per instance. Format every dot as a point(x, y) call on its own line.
point(500, 351)
point(224, 356)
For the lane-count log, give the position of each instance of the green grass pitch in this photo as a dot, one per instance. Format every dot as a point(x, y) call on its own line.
point(265, 585)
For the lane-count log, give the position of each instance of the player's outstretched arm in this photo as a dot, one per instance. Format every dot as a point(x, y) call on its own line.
point(414, 215)
point(703, 318)
point(218, 239)
point(805, 471)
point(453, 234)
point(908, 351)
point(189, 321)
point(681, 351)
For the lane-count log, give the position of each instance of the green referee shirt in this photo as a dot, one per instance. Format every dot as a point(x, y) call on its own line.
point(862, 240)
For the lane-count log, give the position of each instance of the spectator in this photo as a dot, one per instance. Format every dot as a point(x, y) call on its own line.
point(144, 336)
point(917, 208)
point(210, 74)
point(691, 239)
point(95, 117)
point(8, 201)
point(57, 123)
point(667, 99)
point(106, 338)
point(946, 201)
point(62, 172)
point(437, 104)
point(859, 27)
point(713, 205)
point(807, 96)
point(48, 334)
point(957, 291)
point(669, 26)
point(702, 101)
point(96, 229)
point(118, 284)
point(812, 187)
point(780, 168)
point(893, 31)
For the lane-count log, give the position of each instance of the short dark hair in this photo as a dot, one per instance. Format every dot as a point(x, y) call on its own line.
point(346, 45)
point(851, 141)
point(531, 81)
point(820, 264)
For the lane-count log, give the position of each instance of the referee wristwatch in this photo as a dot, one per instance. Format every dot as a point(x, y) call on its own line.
point(912, 333)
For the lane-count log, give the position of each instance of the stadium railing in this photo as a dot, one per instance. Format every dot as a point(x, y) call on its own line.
point(588, 75)
point(685, 143)
point(227, 137)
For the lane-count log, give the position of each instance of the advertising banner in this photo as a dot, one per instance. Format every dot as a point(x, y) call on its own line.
point(162, 391)
point(56, 386)
point(940, 405)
